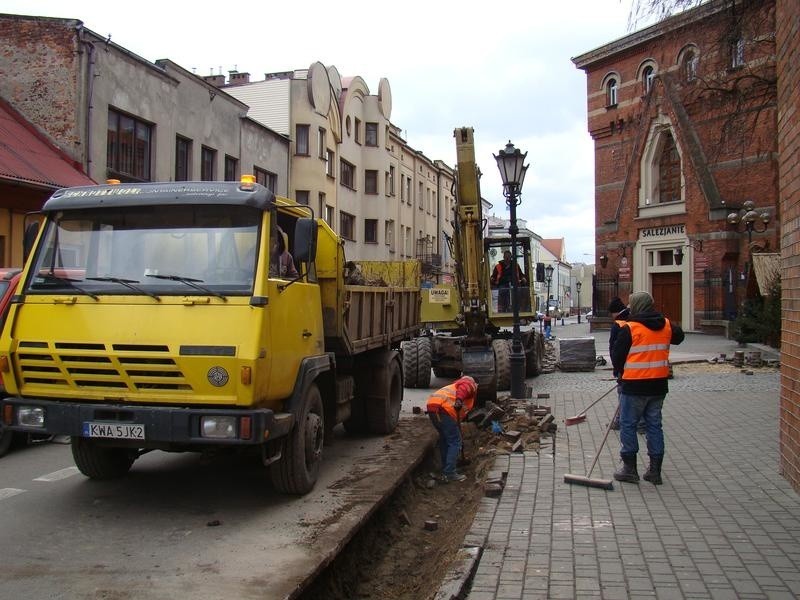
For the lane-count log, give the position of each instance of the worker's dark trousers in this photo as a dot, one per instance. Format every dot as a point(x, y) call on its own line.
point(449, 441)
point(631, 409)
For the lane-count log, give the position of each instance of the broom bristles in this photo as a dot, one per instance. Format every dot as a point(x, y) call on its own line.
point(606, 484)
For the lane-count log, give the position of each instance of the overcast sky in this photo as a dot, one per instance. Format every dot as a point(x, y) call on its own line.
point(502, 68)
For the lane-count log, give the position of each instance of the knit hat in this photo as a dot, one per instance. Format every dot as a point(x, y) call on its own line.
point(466, 387)
point(640, 302)
point(616, 305)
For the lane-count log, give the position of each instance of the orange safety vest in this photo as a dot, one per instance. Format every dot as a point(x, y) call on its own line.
point(499, 272)
point(648, 357)
point(445, 398)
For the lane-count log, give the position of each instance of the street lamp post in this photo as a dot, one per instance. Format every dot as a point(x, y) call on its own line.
point(578, 289)
point(511, 161)
point(548, 277)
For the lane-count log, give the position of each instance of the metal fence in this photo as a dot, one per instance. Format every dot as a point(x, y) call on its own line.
point(604, 289)
point(723, 289)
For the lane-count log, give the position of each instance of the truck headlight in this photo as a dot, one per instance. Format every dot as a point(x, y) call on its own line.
point(30, 416)
point(218, 427)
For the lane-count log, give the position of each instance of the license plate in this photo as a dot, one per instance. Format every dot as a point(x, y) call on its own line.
point(115, 431)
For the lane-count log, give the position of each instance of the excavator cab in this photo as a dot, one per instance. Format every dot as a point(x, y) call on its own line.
point(500, 279)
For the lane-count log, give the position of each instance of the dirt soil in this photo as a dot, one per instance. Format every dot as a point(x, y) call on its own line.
point(396, 556)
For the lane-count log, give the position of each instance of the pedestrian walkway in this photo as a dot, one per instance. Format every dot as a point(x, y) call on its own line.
point(725, 524)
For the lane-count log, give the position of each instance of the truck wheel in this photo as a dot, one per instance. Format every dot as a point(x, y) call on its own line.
point(423, 362)
point(383, 409)
point(297, 470)
point(100, 462)
point(6, 439)
point(502, 362)
point(357, 422)
point(410, 357)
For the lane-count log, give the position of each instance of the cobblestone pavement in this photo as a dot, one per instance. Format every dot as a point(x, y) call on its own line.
point(725, 524)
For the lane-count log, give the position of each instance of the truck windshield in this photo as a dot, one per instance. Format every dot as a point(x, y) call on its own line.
point(92, 251)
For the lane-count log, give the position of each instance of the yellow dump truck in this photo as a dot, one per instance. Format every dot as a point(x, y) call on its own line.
point(163, 316)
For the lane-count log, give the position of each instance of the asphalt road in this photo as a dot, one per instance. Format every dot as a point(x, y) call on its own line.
point(181, 526)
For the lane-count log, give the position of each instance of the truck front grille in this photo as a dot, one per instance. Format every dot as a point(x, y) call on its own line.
point(127, 367)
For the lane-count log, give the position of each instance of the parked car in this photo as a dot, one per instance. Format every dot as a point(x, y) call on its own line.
point(589, 315)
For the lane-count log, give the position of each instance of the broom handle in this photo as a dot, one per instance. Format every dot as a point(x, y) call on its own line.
point(584, 411)
point(603, 443)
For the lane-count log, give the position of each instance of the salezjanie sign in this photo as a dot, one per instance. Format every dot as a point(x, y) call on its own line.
point(662, 231)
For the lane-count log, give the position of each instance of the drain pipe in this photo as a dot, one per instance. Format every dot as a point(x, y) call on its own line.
point(89, 97)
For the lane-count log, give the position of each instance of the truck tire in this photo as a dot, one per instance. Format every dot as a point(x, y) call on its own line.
point(100, 462)
point(6, 439)
point(297, 470)
point(410, 356)
point(357, 422)
point(502, 362)
point(383, 408)
point(424, 351)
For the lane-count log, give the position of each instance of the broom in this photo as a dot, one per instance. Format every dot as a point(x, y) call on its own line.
point(606, 484)
point(581, 417)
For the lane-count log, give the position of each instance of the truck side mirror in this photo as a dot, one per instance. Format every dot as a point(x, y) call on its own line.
point(31, 231)
point(305, 240)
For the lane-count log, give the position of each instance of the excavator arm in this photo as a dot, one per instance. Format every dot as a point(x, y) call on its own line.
point(478, 356)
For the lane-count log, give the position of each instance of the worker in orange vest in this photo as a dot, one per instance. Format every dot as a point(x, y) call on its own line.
point(447, 407)
point(641, 355)
point(502, 278)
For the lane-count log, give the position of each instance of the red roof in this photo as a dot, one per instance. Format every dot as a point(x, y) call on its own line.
point(27, 156)
point(555, 246)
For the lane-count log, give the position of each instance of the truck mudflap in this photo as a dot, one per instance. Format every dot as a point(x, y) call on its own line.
point(144, 426)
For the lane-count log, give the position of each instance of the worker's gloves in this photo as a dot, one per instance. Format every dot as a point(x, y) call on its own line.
point(458, 404)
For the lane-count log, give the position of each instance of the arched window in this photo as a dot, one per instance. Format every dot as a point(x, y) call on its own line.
point(669, 171)
point(648, 75)
point(690, 67)
point(611, 92)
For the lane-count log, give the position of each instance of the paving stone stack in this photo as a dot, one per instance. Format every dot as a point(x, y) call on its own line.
point(576, 354)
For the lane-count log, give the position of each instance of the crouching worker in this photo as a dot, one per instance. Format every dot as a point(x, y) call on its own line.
point(446, 408)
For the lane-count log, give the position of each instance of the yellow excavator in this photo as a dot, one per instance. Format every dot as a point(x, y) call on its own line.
point(466, 323)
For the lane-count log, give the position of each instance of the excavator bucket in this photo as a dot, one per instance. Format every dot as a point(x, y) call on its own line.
point(478, 363)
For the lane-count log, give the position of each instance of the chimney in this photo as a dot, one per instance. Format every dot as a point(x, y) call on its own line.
point(236, 78)
point(215, 80)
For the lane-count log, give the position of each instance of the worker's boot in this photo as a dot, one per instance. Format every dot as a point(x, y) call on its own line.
point(653, 474)
point(627, 472)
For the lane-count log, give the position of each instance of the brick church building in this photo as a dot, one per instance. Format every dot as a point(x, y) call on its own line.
point(684, 121)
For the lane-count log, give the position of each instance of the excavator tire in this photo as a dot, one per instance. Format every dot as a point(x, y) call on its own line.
point(297, 470)
point(534, 358)
point(410, 359)
point(502, 362)
point(424, 351)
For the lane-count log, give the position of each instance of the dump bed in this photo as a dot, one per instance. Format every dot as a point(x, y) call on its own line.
point(376, 304)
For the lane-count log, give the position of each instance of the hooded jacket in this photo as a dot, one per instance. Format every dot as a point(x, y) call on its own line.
point(654, 321)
